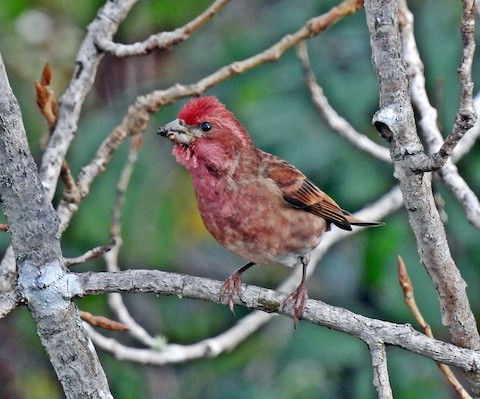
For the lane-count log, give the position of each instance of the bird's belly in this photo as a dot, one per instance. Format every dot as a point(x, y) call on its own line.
point(263, 231)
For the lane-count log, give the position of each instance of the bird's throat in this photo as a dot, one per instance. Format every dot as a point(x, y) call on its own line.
point(185, 156)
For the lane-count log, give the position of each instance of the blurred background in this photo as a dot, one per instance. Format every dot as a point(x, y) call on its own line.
point(161, 225)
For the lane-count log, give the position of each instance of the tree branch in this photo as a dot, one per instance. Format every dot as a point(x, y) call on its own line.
point(335, 121)
point(466, 115)
point(317, 312)
point(395, 121)
point(9, 301)
point(115, 300)
point(409, 298)
point(42, 278)
point(427, 119)
point(380, 371)
point(70, 105)
point(163, 40)
point(90, 254)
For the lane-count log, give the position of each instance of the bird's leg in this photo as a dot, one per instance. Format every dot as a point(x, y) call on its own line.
point(299, 296)
point(231, 286)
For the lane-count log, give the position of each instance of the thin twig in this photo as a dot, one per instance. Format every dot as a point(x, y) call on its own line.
point(471, 137)
point(46, 100)
point(409, 298)
point(334, 120)
point(90, 254)
point(163, 40)
point(466, 115)
point(115, 300)
point(102, 322)
point(47, 103)
point(441, 149)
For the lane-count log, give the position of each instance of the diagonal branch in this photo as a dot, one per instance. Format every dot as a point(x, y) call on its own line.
point(466, 115)
point(409, 298)
point(70, 105)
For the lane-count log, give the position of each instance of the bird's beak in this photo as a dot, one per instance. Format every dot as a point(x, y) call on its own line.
point(177, 132)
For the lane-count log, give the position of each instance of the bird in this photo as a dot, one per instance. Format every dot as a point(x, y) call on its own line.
point(255, 204)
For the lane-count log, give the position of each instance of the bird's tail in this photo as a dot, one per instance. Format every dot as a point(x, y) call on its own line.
point(358, 222)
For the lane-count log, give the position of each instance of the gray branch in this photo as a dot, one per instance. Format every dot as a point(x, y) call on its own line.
point(163, 40)
point(395, 122)
point(43, 281)
point(9, 301)
point(427, 121)
point(89, 56)
point(380, 371)
point(372, 331)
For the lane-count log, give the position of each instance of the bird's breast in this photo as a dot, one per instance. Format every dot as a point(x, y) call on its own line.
point(252, 220)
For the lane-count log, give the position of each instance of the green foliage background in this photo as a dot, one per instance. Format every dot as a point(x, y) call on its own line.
point(162, 228)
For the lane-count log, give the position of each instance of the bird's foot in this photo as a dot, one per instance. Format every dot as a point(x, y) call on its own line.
point(231, 287)
point(298, 299)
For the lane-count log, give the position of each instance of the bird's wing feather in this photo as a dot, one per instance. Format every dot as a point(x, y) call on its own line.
point(299, 192)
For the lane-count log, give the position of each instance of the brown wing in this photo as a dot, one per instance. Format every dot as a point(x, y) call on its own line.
point(299, 192)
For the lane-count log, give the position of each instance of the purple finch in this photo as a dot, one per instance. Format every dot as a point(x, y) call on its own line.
point(253, 203)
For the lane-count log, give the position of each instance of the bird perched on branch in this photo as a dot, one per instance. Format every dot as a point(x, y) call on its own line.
point(253, 203)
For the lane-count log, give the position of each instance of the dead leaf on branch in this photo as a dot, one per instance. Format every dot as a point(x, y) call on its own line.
point(46, 100)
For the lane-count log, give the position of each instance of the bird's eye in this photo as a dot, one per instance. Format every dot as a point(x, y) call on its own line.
point(205, 126)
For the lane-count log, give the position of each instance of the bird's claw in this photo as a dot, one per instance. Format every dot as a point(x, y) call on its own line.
point(230, 287)
point(298, 299)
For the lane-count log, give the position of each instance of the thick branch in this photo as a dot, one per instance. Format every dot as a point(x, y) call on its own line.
point(42, 278)
point(396, 123)
point(427, 119)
